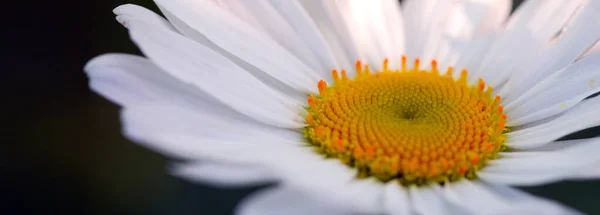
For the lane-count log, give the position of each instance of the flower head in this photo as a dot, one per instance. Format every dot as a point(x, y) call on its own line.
point(361, 107)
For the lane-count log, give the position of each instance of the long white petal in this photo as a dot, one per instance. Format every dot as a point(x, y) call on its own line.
point(454, 19)
point(480, 198)
point(216, 75)
point(246, 43)
point(288, 24)
point(376, 28)
point(329, 19)
point(578, 118)
point(193, 34)
point(306, 30)
point(432, 200)
point(557, 93)
point(199, 136)
point(591, 172)
point(578, 36)
point(424, 32)
point(216, 123)
point(223, 174)
point(396, 199)
point(531, 30)
point(130, 11)
point(586, 173)
point(289, 200)
point(545, 168)
point(132, 80)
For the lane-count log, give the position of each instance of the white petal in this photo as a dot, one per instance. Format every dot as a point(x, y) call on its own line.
point(130, 11)
point(131, 80)
point(368, 195)
point(333, 179)
point(454, 19)
point(586, 173)
point(200, 66)
point(432, 200)
point(199, 135)
point(580, 34)
point(501, 61)
point(246, 43)
point(531, 30)
point(545, 168)
point(223, 175)
point(289, 200)
point(216, 123)
point(307, 30)
point(591, 172)
point(468, 54)
point(543, 18)
point(289, 25)
point(551, 147)
point(376, 28)
point(476, 198)
point(328, 17)
point(424, 32)
point(474, 18)
point(578, 118)
point(479, 198)
point(396, 200)
point(557, 93)
point(265, 78)
point(593, 50)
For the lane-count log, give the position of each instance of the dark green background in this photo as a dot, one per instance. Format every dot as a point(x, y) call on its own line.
point(65, 153)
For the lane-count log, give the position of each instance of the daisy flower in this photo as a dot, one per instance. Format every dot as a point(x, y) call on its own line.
point(364, 107)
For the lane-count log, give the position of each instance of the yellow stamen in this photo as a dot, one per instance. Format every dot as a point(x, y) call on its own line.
point(415, 126)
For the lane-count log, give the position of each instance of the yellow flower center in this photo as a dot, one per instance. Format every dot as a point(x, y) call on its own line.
point(411, 125)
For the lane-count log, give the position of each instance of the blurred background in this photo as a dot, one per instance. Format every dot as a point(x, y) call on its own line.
point(64, 150)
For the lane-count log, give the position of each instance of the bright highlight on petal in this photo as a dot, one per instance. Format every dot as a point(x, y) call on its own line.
point(411, 125)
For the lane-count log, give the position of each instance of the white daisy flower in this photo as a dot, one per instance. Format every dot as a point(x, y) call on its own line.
point(271, 91)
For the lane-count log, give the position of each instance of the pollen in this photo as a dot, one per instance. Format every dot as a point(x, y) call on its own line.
point(412, 125)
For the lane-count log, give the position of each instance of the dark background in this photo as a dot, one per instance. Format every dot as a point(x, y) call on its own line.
point(63, 151)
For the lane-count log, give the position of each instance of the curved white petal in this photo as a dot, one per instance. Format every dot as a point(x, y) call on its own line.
point(223, 174)
point(533, 30)
point(396, 199)
point(431, 199)
point(424, 32)
point(376, 28)
point(585, 173)
point(216, 123)
point(453, 19)
point(130, 11)
point(557, 93)
point(189, 135)
point(593, 50)
point(591, 172)
point(328, 16)
point(307, 30)
point(200, 66)
point(468, 54)
point(288, 24)
point(132, 80)
point(480, 198)
point(543, 18)
point(193, 34)
point(241, 40)
point(579, 34)
point(473, 18)
point(544, 168)
point(289, 200)
point(578, 118)
point(501, 60)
